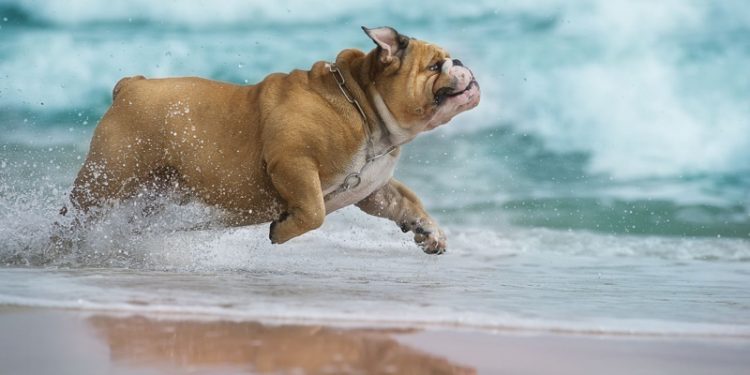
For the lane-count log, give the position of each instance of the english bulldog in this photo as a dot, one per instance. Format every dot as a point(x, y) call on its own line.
point(290, 149)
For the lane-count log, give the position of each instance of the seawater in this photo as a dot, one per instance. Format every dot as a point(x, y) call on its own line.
point(602, 185)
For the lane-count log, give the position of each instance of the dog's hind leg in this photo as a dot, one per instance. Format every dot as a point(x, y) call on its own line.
point(118, 163)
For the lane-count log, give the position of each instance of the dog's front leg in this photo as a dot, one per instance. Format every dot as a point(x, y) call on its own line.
point(298, 183)
point(396, 202)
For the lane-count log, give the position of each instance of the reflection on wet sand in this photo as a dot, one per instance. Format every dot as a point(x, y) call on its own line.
point(249, 347)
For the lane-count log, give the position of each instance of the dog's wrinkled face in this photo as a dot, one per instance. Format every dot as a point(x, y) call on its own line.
point(422, 86)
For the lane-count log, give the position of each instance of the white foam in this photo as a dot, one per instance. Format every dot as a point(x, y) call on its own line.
point(362, 269)
point(635, 119)
point(120, 293)
point(616, 79)
point(369, 318)
point(233, 12)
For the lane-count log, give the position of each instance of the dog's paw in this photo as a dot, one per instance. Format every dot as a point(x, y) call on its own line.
point(273, 232)
point(431, 239)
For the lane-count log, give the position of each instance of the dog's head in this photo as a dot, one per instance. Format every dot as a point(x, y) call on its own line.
point(419, 83)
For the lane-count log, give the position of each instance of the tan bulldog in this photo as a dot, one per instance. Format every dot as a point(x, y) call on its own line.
point(290, 149)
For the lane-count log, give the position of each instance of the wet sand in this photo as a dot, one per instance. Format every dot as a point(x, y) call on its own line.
point(41, 341)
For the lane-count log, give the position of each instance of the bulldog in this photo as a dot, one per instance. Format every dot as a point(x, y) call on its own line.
point(288, 150)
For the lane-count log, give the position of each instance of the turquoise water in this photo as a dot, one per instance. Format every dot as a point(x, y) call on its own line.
point(608, 164)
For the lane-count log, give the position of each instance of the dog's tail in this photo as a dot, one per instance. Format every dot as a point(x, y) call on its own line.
point(121, 83)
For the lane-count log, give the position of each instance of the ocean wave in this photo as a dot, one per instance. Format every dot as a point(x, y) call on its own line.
point(624, 101)
point(280, 314)
point(202, 14)
point(155, 233)
point(645, 89)
point(359, 269)
point(623, 17)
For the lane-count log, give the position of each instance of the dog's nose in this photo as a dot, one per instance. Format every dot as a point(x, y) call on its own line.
point(457, 62)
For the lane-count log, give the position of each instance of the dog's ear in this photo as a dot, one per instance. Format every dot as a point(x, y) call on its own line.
point(390, 43)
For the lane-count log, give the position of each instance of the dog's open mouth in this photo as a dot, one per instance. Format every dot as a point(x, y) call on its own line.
point(447, 92)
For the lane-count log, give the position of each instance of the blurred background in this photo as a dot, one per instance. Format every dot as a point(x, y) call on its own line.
point(620, 117)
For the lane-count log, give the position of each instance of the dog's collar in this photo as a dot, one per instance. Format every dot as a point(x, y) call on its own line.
point(353, 179)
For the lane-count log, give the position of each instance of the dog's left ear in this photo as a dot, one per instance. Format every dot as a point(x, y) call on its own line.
point(389, 42)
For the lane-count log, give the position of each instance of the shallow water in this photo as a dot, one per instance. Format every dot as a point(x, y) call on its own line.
point(364, 270)
point(602, 185)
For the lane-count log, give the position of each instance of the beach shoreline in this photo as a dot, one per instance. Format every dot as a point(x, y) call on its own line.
point(47, 341)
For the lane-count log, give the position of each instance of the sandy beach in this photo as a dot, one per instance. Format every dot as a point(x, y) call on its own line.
point(45, 341)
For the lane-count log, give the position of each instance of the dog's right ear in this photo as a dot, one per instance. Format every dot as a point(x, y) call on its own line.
point(390, 43)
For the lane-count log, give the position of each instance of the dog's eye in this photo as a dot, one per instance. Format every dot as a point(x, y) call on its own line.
point(434, 67)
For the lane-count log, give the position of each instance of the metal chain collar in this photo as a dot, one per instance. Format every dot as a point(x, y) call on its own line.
point(352, 180)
